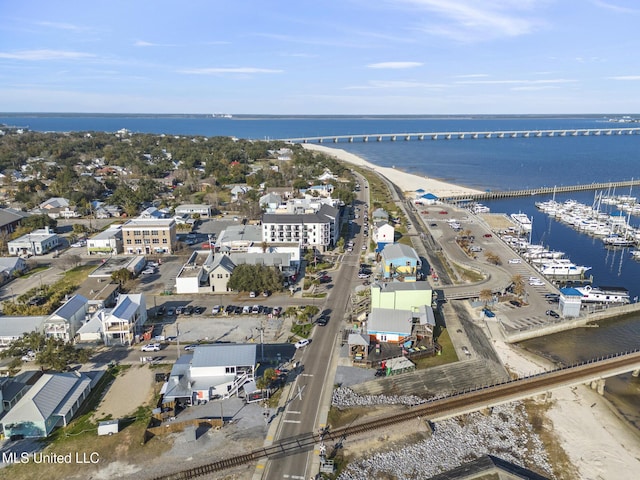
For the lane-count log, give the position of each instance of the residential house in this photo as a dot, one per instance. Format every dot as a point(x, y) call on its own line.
point(379, 215)
point(220, 271)
point(38, 242)
point(10, 219)
point(400, 262)
point(107, 242)
point(100, 292)
point(54, 202)
point(52, 402)
point(152, 213)
point(270, 202)
point(122, 324)
point(12, 328)
point(144, 236)
point(383, 234)
point(11, 266)
point(237, 191)
point(213, 371)
point(191, 209)
point(12, 389)
point(67, 319)
point(386, 325)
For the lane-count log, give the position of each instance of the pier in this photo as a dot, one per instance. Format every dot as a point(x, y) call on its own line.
point(539, 191)
point(505, 134)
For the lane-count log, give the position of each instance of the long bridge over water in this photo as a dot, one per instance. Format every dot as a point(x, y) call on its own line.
point(380, 137)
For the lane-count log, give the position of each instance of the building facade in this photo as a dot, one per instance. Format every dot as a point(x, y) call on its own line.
point(146, 236)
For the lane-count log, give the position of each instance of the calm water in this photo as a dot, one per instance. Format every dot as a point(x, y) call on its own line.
point(494, 164)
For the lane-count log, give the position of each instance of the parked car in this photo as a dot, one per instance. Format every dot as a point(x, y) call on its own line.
point(252, 294)
point(277, 311)
point(255, 309)
point(488, 313)
point(325, 279)
point(237, 310)
point(515, 303)
point(197, 310)
point(363, 275)
point(266, 293)
point(216, 309)
point(191, 347)
point(171, 312)
point(553, 313)
point(161, 310)
point(188, 310)
point(179, 310)
point(246, 310)
point(302, 343)
point(151, 347)
point(515, 260)
point(487, 235)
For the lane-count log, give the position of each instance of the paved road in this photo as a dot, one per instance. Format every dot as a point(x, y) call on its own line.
point(304, 407)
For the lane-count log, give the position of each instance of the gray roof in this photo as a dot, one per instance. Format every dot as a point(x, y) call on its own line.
point(240, 233)
point(224, 354)
point(112, 231)
point(399, 250)
point(9, 215)
point(270, 259)
point(9, 263)
point(71, 307)
point(126, 306)
point(16, 326)
point(223, 261)
point(326, 214)
point(390, 320)
point(52, 394)
point(358, 339)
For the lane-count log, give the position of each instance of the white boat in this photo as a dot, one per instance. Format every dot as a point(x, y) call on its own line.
point(522, 220)
point(562, 268)
point(604, 294)
point(617, 241)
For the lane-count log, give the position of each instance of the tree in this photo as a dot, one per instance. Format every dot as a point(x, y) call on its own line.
point(486, 295)
point(493, 258)
point(122, 276)
point(50, 352)
point(518, 285)
point(255, 278)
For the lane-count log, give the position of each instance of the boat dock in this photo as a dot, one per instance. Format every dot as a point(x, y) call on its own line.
point(539, 191)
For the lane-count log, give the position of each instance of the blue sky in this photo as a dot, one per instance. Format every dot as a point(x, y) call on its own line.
point(320, 57)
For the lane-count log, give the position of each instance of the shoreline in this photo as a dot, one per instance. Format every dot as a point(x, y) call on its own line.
point(599, 442)
point(407, 182)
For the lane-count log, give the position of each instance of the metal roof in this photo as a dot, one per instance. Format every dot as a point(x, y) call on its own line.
point(224, 354)
point(71, 307)
point(389, 320)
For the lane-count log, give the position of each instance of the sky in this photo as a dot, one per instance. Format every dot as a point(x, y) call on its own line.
point(320, 57)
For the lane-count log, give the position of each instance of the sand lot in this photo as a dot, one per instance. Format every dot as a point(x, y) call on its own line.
point(129, 390)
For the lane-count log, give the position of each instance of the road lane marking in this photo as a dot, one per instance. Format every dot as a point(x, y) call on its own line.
point(293, 411)
point(292, 421)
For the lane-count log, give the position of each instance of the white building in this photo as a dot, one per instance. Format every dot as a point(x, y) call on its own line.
point(122, 324)
point(383, 233)
point(12, 328)
point(38, 242)
point(108, 242)
point(238, 238)
point(319, 230)
point(213, 371)
point(67, 319)
point(190, 209)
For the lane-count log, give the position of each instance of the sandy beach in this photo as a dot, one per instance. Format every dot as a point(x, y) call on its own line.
point(599, 444)
point(406, 181)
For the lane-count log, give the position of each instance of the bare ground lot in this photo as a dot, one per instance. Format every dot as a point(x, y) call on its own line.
point(128, 391)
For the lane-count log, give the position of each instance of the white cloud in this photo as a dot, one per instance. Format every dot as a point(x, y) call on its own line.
point(470, 20)
point(472, 75)
point(63, 26)
point(625, 77)
point(142, 43)
point(516, 82)
point(221, 70)
point(397, 84)
point(36, 55)
point(394, 65)
point(613, 8)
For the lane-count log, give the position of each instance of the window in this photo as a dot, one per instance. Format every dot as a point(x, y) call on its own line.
point(219, 275)
point(154, 232)
point(230, 370)
point(128, 241)
point(165, 241)
point(137, 233)
point(145, 232)
point(138, 241)
point(155, 241)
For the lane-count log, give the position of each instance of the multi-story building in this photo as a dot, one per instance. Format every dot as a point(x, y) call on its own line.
point(144, 236)
point(122, 324)
point(311, 230)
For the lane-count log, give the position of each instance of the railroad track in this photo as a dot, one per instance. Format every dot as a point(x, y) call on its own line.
point(434, 408)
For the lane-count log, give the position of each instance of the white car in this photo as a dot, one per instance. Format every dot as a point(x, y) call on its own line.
point(151, 347)
point(302, 343)
point(216, 309)
point(515, 260)
point(364, 247)
point(536, 283)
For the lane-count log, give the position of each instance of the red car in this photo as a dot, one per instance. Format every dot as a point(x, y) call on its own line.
point(487, 235)
point(443, 212)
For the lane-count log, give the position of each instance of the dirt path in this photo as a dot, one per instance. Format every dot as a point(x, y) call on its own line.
point(129, 390)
